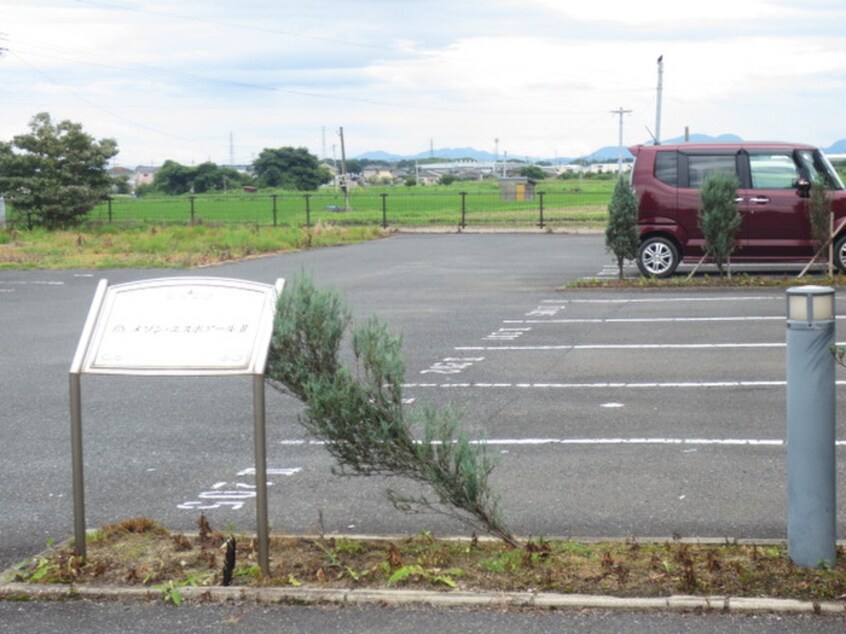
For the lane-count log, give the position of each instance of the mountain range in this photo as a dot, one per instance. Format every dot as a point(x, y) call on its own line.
point(609, 153)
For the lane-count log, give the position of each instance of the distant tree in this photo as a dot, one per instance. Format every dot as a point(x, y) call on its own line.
point(55, 174)
point(719, 218)
point(621, 237)
point(173, 178)
point(355, 166)
point(208, 177)
point(447, 179)
point(120, 184)
point(290, 168)
point(533, 172)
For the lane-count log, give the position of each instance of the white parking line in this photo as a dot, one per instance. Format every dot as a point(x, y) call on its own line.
point(644, 320)
point(608, 385)
point(535, 442)
point(665, 300)
point(32, 282)
point(633, 346)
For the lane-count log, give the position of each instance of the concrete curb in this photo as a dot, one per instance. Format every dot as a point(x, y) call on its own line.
point(448, 599)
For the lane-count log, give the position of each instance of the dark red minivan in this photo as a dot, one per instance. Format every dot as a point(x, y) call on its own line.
point(772, 199)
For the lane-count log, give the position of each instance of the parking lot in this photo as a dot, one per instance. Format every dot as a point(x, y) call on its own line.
point(613, 413)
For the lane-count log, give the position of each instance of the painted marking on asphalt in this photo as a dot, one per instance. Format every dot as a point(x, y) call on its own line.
point(644, 440)
point(452, 365)
point(633, 346)
point(664, 300)
point(508, 334)
point(646, 320)
point(284, 471)
point(610, 384)
point(231, 495)
point(32, 283)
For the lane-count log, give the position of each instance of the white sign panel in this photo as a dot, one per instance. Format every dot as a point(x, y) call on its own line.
point(181, 326)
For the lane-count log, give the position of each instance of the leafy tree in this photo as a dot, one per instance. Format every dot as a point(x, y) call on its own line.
point(173, 178)
point(621, 237)
point(212, 177)
point(360, 414)
point(447, 179)
point(120, 184)
point(819, 213)
point(56, 173)
point(290, 168)
point(719, 219)
point(533, 172)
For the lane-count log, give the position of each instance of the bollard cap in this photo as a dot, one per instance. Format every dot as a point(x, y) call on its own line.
point(810, 303)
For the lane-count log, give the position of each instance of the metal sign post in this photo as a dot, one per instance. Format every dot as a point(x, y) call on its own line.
point(183, 326)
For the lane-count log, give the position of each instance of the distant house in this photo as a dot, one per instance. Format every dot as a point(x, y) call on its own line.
point(375, 174)
point(428, 177)
point(144, 175)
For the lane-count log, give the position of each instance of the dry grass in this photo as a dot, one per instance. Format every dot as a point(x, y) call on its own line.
point(151, 246)
point(139, 552)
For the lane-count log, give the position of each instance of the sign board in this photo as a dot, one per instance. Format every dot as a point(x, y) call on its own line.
point(178, 326)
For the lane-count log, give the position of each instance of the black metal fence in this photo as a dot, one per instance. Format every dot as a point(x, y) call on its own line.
point(388, 209)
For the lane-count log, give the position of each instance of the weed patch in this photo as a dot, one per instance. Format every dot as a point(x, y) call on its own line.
point(141, 553)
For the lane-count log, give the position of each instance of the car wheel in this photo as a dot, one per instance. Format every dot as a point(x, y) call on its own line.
point(840, 253)
point(657, 257)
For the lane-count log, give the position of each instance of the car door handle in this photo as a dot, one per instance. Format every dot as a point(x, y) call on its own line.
point(738, 200)
point(759, 200)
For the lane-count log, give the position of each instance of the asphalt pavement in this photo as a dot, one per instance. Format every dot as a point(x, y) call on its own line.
point(613, 414)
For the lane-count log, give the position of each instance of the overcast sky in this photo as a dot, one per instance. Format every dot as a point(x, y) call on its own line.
point(198, 80)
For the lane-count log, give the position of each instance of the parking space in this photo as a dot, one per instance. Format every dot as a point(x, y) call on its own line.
point(612, 413)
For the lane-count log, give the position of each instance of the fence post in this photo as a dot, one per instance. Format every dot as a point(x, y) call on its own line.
point(308, 209)
point(463, 222)
point(384, 210)
point(191, 198)
point(540, 198)
point(109, 199)
point(274, 197)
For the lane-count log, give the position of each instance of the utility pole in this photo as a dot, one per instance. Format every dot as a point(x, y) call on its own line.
point(620, 112)
point(231, 150)
point(344, 184)
point(658, 102)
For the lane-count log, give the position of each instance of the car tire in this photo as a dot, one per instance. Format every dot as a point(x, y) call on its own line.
point(840, 253)
point(657, 257)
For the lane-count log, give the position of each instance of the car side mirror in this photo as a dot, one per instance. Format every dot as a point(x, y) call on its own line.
point(803, 187)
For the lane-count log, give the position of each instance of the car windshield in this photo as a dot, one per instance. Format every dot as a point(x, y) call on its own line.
point(818, 167)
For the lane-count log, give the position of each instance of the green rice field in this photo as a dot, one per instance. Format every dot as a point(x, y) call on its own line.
point(555, 204)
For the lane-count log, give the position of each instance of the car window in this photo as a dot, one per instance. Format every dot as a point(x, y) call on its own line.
point(816, 167)
point(701, 167)
point(773, 171)
point(666, 167)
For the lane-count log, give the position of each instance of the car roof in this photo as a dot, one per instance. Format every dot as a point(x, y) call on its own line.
point(740, 145)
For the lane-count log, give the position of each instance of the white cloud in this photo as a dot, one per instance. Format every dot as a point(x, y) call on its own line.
point(172, 79)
